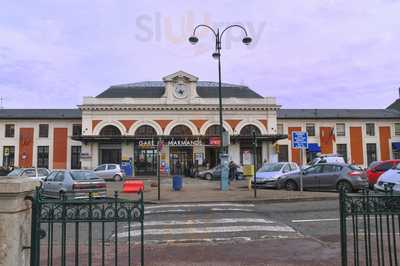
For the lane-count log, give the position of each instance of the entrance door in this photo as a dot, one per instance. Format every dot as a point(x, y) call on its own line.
point(181, 160)
point(283, 155)
point(145, 161)
point(109, 153)
point(212, 156)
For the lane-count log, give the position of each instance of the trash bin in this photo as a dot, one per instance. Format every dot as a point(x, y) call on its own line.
point(177, 182)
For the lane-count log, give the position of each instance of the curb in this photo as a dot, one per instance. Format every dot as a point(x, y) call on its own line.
point(254, 201)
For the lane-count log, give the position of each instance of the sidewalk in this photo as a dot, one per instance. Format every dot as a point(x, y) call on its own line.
point(197, 190)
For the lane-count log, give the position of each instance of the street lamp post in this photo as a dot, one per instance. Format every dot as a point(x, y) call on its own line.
point(217, 55)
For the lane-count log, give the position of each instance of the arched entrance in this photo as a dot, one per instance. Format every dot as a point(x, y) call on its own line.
point(145, 158)
point(212, 150)
point(246, 146)
point(110, 152)
point(181, 157)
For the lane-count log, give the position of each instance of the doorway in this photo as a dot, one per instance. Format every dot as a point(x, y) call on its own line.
point(109, 153)
point(145, 161)
point(181, 160)
point(211, 154)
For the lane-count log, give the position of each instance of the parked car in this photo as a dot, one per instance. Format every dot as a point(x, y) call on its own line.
point(215, 173)
point(376, 169)
point(389, 180)
point(327, 176)
point(36, 173)
point(4, 171)
point(269, 174)
point(327, 158)
point(110, 171)
point(74, 183)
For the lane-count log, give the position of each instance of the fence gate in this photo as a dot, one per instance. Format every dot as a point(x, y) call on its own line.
point(94, 231)
point(370, 228)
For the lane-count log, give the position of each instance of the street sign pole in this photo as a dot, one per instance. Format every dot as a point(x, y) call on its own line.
point(300, 142)
point(301, 170)
point(255, 162)
point(159, 149)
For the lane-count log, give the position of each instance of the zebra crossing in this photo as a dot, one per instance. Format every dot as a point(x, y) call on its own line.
point(206, 222)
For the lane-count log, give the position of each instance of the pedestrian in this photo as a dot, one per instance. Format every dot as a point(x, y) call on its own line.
point(232, 170)
point(178, 167)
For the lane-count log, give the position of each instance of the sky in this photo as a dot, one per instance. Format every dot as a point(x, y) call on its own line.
point(306, 53)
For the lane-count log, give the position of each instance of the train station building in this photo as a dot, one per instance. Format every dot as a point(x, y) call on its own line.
point(177, 119)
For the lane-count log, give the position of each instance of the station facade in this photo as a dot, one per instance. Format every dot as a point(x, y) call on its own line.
point(176, 120)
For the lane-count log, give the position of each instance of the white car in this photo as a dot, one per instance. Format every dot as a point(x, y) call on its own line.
point(327, 159)
point(390, 179)
point(269, 174)
point(35, 173)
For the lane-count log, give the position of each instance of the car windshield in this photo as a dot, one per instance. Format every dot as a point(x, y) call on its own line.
point(373, 164)
point(355, 167)
point(315, 160)
point(15, 172)
point(271, 167)
point(83, 175)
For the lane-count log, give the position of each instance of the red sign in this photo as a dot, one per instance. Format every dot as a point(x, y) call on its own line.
point(214, 141)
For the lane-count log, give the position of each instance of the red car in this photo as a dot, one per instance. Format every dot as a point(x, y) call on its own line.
point(376, 169)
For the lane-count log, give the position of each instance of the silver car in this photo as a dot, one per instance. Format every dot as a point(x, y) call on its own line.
point(35, 173)
point(110, 171)
point(74, 183)
point(270, 173)
point(327, 176)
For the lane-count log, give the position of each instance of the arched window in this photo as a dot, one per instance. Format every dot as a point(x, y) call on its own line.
point(110, 131)
point(181, 130)
point(213, 130)
point(248, 130)
point(145, 130)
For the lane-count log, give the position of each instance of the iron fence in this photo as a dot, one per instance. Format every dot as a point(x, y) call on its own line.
point(370, 228)
point(87, 231)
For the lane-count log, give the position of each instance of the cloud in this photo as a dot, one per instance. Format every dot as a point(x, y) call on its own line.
point(307, 53)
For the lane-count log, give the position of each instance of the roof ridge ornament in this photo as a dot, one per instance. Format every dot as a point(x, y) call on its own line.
point(180, 74)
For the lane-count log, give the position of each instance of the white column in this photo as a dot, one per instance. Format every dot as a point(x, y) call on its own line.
point(234, 152)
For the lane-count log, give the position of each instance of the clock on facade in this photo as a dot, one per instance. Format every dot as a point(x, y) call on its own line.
point(180, 91)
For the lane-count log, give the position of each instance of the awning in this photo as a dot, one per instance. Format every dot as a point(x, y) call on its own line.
point(396, 146)
point(314, 147)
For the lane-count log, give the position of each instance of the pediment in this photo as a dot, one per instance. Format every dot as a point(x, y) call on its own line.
point(180, 75)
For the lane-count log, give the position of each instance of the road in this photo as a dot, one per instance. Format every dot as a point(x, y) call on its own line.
point(291, 233)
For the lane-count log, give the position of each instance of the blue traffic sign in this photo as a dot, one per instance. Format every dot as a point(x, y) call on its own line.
point(299, 140)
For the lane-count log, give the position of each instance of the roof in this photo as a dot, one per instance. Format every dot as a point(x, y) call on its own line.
point(337, 113)
point(394, 106)
point(40, 114)
point(282, 114)
point(155, 89)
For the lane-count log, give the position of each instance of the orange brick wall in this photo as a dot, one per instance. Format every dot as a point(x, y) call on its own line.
point(356, 145)
point(326, 140)
point(60, 148)
point(25, 147)
point(384, 137)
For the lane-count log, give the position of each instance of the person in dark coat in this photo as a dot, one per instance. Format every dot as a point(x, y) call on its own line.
point(232, 170)
point(178, 167)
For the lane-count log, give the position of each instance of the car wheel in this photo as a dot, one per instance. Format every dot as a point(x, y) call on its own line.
point(208, 176)
point(345, 186)
point(290, 185)
point(117, 178)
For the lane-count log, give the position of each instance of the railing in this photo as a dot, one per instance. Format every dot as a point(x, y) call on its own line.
point(86, 231)
point(370, 228)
